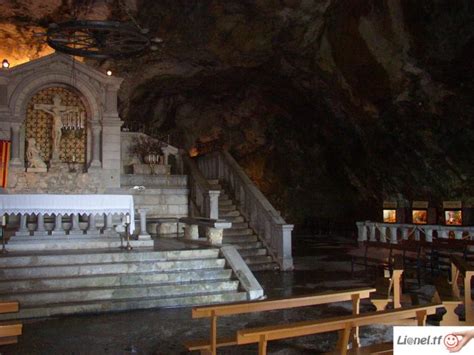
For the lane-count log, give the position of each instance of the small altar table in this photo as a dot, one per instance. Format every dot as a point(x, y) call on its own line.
point(74, 205)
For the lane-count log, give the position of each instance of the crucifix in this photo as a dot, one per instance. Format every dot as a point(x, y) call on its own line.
point(57, 111)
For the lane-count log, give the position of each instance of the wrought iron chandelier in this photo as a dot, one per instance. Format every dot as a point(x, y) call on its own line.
point(100, 39)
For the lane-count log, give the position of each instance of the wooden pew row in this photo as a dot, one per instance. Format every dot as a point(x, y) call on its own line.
point(459, 267)
point(9, 331)
point(213, 312)
point(385, 286)
point(345, 325)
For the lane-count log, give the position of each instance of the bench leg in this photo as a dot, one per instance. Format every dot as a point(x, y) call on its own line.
point(262, 345)
point(213, 334)
point(450, 317)
point(344, 337)
point(380, 305)
point(355, 311)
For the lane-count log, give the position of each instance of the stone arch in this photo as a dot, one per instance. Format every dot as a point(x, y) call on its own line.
point(31, 84)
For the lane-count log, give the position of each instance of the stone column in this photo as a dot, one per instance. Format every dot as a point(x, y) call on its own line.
point(40, 230)
point(393, 235)
point(362, 229)
point(75, 229)
point(383, 233)
point(405, 233)
point(58, 225)
point(108, 224)
point(191, 231)
point(95, 162)
point(214, 236)
point(214, 204)
point(92, 228)
point(458, 234)
point(15, 147)
point(143, 232)
point(372, 232)
point(428, 235)
point(23, 231)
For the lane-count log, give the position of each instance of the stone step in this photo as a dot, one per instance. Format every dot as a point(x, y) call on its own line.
point(36, 298)
point(125, 304)
point(259, 259)
point(229, 214)
point(213, 181)
point(238, 225)
point(247, 245)
point(237, 231)
point(113, 280)
point(230, 239)
point(264, 267)
point(9, 273)
point(73, 244)
point(223, 209)
point(233, 219)
point(95, 257)
point(252, 252)
point(223, 196)
point(226, 203)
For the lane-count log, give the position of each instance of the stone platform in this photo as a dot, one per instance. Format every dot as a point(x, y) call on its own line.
point(48, 283)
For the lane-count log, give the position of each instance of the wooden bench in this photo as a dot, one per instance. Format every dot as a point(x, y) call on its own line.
point(460, 268)
point(345, 326)
point(444, 294)
point(379, 258)
point(9, 331)
point(212, 312)
point(385, 286)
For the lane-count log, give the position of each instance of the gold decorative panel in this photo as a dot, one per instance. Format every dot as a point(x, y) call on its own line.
point(39, 125)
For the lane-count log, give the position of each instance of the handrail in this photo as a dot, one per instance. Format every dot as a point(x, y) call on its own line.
point(198, 186)
point(262, 217)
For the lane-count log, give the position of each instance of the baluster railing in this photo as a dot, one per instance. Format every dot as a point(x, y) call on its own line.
point(275, 233)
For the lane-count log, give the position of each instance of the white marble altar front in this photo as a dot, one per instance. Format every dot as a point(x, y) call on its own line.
point(71, 205)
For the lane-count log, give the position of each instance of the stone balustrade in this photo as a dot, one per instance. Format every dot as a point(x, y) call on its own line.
point(261, 215)
point(394, 232)
point(97, 224)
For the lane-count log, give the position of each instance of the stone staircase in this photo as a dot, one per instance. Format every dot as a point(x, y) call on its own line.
point(241, 236)
point(55, 283)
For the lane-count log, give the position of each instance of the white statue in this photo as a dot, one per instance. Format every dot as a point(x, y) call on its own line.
point(33, 155)
point(56, 110)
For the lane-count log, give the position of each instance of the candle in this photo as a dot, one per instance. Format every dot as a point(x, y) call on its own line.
point(4, 220)
point(127, 219)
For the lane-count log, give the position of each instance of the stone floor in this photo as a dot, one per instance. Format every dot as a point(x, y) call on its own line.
point(319, 266)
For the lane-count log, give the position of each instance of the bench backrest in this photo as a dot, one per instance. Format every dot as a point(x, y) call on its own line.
point(286, 303)
point(255, 335)
point(9, 307)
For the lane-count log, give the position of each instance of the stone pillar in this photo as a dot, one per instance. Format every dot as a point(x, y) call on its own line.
point(405, 233)
point(362, 232)
point(429, 235)
point(109, 228)
point(95, 162)
point(143, 232)
point(383, 233)
point(58, 225)
point(75, 229)
point(40, 230)
point(284, 253)
point(417, 234)
point(92, 228)
point(214, 204)
point(393, 235)
point(372, 232)
point(15, 147)
point(444, 233)
point(214, 236)
point(23, 231)
point(191, 231)
point(458, 234)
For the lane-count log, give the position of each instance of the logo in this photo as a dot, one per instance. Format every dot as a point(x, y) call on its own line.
point(451, 341)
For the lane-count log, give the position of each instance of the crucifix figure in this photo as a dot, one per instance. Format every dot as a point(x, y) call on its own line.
point(57, 111)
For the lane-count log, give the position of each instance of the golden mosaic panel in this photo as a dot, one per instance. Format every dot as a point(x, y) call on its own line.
point(39, 126)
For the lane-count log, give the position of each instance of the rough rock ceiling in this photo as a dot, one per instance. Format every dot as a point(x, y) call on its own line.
point(374, 97)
